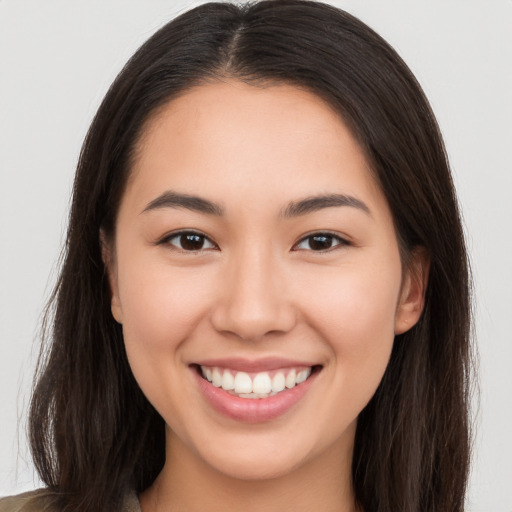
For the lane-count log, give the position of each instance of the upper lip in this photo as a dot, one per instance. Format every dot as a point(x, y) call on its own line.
point(253, 365)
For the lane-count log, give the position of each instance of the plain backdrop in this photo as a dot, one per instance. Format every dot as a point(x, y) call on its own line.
point(57, 59)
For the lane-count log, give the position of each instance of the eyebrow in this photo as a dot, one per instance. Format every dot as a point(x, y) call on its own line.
point(315, 203)
point(304, 206)
point(171, 199)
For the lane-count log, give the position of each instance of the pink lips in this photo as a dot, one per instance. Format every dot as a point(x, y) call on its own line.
point(252, 410)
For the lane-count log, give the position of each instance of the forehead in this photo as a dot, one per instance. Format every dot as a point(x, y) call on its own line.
point(233, 136)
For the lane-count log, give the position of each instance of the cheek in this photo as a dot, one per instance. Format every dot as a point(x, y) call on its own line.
point(161, 306)
point(355, 307)
point(356, 322)
point(354, 312)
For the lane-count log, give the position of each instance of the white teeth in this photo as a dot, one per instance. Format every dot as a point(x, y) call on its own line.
point(255, 395)
point(216, 378)
point(261, 385)
point(290, 379)
point(278, 382)
point(303, 375)
point(243, 383)
point(228, 381)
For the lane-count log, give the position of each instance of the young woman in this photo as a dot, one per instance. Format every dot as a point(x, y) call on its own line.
point(264, 302)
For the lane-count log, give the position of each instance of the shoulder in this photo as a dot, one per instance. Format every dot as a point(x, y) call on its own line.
point(32, 501)
point(43, 500)
point(131, 503)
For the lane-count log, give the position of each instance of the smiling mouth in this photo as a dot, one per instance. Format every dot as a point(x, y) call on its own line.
point(256, 385)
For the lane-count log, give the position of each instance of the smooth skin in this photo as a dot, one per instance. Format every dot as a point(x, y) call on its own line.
point(255, 282)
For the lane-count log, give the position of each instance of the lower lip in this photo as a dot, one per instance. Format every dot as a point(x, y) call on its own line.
point(253, 410)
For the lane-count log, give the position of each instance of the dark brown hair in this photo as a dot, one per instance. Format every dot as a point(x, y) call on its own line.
point(93, 433)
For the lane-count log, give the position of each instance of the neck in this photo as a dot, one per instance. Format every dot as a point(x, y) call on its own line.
point(188, 483)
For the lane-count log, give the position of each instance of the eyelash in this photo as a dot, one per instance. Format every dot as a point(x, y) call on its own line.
point(179, 234)
point(340, 242)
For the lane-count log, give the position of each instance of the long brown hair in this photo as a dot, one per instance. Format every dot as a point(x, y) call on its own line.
point(93, 433)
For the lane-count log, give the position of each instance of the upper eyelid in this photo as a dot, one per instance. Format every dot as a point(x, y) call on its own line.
point(178, 232)
point(339, 236)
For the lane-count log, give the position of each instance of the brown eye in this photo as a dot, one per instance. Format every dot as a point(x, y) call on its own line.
point(320, 242)
point(190, 241)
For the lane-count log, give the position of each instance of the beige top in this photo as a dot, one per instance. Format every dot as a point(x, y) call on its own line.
point(41, 501)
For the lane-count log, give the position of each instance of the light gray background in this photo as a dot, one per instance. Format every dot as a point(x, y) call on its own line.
point(57, 59)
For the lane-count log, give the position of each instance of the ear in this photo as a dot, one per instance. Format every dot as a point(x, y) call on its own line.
point(412, 295)
point(109, 261)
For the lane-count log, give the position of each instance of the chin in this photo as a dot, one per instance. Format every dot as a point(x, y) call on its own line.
point(256, 455)
point(253, 468)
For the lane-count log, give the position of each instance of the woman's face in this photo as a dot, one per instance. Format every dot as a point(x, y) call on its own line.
point(254, 249)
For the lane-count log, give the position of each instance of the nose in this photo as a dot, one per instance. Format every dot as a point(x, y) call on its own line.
point(253, 302)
